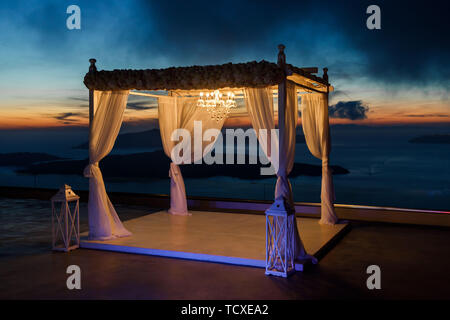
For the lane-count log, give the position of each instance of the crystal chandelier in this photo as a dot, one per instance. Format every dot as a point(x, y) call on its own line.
point(216, 104)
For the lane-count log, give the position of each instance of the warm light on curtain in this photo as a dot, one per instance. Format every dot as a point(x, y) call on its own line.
point(181, 113)
point(109, 106)
point(314, 107)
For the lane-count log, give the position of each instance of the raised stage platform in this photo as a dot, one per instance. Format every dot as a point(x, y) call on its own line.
point(212, 236)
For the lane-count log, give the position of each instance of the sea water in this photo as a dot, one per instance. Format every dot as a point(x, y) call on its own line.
point(385, 169)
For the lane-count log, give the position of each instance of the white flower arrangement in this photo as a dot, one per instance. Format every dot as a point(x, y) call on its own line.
point(251, 74)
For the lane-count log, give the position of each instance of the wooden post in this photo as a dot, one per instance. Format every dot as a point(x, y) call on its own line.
point(92, 69)
point(325, 75)
point(282, 234)
point(281, 102)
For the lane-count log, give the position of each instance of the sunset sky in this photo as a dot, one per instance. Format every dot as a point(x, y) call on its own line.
point(397, 75)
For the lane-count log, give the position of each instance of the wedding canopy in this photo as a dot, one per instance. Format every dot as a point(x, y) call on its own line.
point(257, 81)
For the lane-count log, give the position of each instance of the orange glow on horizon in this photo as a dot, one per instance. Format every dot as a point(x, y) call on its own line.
point(390, 113)
point(42, 122)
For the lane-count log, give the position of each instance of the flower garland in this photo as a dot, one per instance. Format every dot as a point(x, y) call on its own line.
point(251, 74)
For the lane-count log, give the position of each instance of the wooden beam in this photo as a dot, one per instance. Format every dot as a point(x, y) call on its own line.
point(134, 93)
point(281, 105)
point(311, 69)
point(307, 83)
point(93, 69)
point(308, 88)
point(239, 94)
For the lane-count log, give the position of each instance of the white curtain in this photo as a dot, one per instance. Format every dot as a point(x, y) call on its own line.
point(109, 106)
point(259, 103)
point(182, 113)
point(286, 162)
point(316, 127)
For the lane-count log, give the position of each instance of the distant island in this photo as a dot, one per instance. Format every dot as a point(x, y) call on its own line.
point(134, 140)
point(433, 138)
point(156, 165)
point(20, 159)
point(147, 139)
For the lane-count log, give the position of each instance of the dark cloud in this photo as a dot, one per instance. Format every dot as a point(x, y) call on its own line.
point(439, 115)
point(83, 105)
point(67, 116)
point(411, 49)
point(141, 105)
point(352, 110)
point(339, 93)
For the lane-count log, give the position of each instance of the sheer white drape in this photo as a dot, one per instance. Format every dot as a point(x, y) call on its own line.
point(259, 103)
point(315, 122)
point(109, 107)
point(286, 161)
point(175, 113)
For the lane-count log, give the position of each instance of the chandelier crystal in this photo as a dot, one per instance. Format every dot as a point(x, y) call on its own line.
point(217, 105)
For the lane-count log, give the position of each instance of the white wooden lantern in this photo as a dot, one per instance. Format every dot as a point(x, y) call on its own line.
point(280, 239)
point(65, 220)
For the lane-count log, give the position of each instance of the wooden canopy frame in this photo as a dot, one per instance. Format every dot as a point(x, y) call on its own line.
point(192, 80)
point(189, 80)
